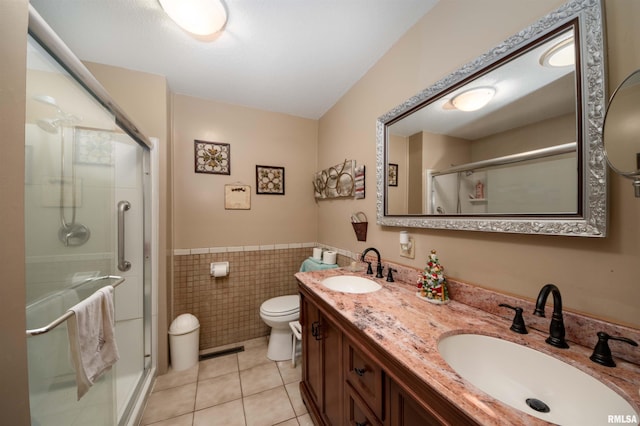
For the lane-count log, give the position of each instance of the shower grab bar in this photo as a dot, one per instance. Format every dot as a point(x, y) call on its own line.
point(123, 265)
point(62, 318)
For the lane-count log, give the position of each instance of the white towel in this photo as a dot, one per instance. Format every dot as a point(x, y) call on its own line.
point(92, 338)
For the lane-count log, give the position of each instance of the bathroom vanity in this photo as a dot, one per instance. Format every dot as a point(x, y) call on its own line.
point(344, 381)
point(373, 358)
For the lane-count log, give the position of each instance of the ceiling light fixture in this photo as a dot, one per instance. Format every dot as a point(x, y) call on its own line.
point(473, 99)
point(562, 54)
point(198, 17)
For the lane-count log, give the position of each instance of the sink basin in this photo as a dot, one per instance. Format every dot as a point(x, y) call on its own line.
point(523, 377)
point(351, 284)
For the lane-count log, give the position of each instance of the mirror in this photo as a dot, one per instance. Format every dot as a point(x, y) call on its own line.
point(526, 158)
point(621, 131)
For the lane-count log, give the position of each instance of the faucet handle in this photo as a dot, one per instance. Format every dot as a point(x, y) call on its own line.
point(390, 275)
point(369, 270)
point(602, 353)
point(518, 325)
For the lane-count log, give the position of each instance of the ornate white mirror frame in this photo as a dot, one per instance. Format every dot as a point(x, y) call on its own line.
point(591, 217)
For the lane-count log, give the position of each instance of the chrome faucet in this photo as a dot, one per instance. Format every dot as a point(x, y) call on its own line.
point(556, 328)
point(379, 267)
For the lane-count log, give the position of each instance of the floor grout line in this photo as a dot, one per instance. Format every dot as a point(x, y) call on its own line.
point(238, 371)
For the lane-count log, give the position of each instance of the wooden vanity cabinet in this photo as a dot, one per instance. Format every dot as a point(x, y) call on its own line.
point(347, 380)
point(322, 382)
point(405, 411)
point(364, 377)
point(357, 411)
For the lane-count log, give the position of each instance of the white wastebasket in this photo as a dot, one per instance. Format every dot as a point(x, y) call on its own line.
point(184, 340)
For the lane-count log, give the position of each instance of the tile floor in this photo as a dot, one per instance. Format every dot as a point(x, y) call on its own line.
point(244, 389)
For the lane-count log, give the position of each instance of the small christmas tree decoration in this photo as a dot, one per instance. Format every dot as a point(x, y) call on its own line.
point(432, 284)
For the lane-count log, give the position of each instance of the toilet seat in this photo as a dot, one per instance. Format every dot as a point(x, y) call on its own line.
point(281, 306)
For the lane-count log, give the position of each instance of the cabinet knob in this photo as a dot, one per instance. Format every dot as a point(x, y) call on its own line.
point(365, 423)
point(360, 371)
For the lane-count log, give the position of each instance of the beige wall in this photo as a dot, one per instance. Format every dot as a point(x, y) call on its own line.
point(398, 154)
point(550, 132)
point(442, 151)
point(14, 393)
point(597, 276)
point(145, 98)
point(414, 181)
point(256, 138)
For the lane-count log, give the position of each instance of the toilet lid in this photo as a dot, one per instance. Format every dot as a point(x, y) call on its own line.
point(281, 305)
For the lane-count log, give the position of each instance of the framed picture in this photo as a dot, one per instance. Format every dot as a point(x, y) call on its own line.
point(393, 175)
point(270, 180)
point(212, 157)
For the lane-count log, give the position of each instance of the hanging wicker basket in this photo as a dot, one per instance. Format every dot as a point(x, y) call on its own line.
point(360, 227)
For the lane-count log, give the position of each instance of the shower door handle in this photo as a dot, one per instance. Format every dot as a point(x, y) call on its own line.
point(123, 265)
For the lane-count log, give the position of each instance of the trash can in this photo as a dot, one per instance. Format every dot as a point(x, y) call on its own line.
point(184, 340)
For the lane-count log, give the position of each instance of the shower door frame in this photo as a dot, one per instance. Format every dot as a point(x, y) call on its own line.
point(40, 31)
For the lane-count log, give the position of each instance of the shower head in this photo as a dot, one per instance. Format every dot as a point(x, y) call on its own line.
point(51, 101)
point(49, 125)
point(47, 100)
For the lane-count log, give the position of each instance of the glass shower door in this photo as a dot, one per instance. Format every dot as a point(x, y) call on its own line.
point(80, 168)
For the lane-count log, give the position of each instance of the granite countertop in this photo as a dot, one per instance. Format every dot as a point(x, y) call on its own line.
point(408, 329)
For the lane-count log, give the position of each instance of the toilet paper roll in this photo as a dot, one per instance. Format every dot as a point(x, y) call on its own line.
point(219, 269)
point(317, 253)
point(329, 257)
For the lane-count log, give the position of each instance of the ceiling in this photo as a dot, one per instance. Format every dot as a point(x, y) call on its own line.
point(292, 56)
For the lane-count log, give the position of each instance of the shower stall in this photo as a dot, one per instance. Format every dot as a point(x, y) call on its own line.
point(87, 221)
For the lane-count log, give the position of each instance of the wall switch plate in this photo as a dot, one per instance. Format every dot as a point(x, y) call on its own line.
point(410, 251)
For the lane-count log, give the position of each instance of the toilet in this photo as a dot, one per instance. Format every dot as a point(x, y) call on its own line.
point(277, 313)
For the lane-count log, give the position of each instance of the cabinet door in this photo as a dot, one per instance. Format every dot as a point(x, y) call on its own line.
point(322, 364)
point(332, 369)
point(357, 412)
point(311, 351)
point(404, 411)
point(365, 376)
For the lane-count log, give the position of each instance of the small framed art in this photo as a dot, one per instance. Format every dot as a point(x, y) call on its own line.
point(212, 157)
point(270, 180)
point(393, 175)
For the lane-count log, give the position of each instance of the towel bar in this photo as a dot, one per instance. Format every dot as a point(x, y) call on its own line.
point(68, 314)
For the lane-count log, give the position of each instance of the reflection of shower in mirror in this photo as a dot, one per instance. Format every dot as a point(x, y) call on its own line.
point(70, 232)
